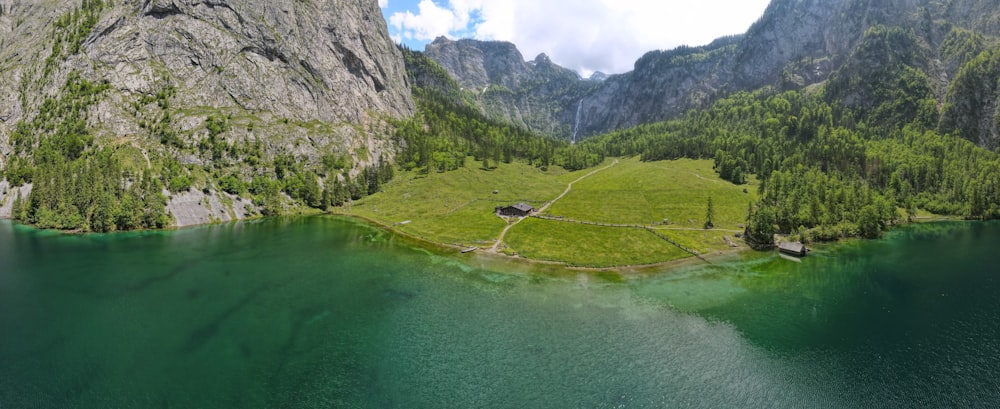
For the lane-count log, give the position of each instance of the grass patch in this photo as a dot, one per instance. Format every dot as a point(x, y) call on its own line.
point(589, 246)
point(131, 158)
point(634, 192)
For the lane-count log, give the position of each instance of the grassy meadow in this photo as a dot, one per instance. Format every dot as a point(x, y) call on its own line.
point(456, 208)
point(589, 246)
point(646, 193)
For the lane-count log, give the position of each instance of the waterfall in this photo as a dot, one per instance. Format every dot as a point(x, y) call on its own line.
point(576, 124)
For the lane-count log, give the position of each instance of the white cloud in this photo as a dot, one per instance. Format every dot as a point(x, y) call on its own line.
point(585, 35)
point(430, 21)
point(383, 3)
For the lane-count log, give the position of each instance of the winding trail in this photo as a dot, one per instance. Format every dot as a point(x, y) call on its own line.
point(569, 187)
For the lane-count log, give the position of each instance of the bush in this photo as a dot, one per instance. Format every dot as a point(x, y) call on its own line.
point(232, 185)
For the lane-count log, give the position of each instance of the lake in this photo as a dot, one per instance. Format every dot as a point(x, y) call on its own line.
point(322, 312)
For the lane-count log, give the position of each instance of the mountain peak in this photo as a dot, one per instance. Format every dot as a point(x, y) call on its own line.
point(441, 40)
point(598, 76)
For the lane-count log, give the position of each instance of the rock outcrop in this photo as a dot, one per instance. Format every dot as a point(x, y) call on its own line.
point(195, 207)
point(9, 195)
point(538, 95)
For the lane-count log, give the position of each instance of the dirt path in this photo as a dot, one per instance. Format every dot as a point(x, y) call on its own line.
point(569, 187)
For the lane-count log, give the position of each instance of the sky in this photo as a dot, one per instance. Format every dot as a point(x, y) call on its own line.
point(584, 35)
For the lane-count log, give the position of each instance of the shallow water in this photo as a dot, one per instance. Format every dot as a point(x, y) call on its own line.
point(326, 312)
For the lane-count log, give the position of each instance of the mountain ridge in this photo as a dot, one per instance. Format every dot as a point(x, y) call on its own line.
point(794, 45)
point(538, 95)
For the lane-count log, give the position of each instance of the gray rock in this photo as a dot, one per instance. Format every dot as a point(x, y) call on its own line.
point(8, 195)
point(194, 207)
point(329, 62)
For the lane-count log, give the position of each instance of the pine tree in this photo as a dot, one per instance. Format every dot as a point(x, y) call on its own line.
point(710, 215)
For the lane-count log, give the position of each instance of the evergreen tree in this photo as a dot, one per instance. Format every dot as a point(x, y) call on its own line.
point(710, 215)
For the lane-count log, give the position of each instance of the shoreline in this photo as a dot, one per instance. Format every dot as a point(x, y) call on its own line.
point(501, 258)
point(501, 261)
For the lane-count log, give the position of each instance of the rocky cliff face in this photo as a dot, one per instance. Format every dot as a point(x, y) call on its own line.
point(663, 84)
point(306, 78)
point(272, 62)
point(539, 94)
point(478, 64)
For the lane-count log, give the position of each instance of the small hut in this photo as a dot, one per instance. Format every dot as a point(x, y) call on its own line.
point(793, 248)
point(518, 210)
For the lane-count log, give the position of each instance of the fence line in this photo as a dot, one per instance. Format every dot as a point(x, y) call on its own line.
point(671, 241)
point(626, 226)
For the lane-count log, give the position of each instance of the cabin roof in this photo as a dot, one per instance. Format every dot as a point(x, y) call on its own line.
point(792, 246)
point(524, 207)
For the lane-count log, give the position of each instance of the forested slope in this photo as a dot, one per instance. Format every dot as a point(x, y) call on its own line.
point(825, 173)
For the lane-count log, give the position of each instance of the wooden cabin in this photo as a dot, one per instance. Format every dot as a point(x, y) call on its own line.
point(518, 210)
point(793, 248)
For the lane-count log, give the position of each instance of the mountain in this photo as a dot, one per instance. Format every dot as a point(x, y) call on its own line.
point(848, 45)
point(222, 89)
point(538, 95)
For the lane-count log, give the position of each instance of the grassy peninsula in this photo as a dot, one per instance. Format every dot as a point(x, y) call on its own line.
point(626, 212)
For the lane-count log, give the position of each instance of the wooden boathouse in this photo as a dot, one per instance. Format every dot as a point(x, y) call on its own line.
point(793, 248)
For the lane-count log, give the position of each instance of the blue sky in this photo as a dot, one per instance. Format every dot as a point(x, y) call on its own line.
point(584, 35)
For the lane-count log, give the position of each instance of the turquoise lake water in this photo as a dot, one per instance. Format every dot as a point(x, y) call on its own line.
point(323, 312)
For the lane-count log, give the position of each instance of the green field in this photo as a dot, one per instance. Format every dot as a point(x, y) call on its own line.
point(589, 246)
point(634, 192)
point(456, 208)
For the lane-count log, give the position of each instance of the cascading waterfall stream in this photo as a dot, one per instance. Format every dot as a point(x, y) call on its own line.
point(576, 123)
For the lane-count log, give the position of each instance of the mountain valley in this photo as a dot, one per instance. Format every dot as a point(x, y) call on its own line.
point(850, 116)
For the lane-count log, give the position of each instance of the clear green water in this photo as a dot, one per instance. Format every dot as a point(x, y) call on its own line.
point(322, 312)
